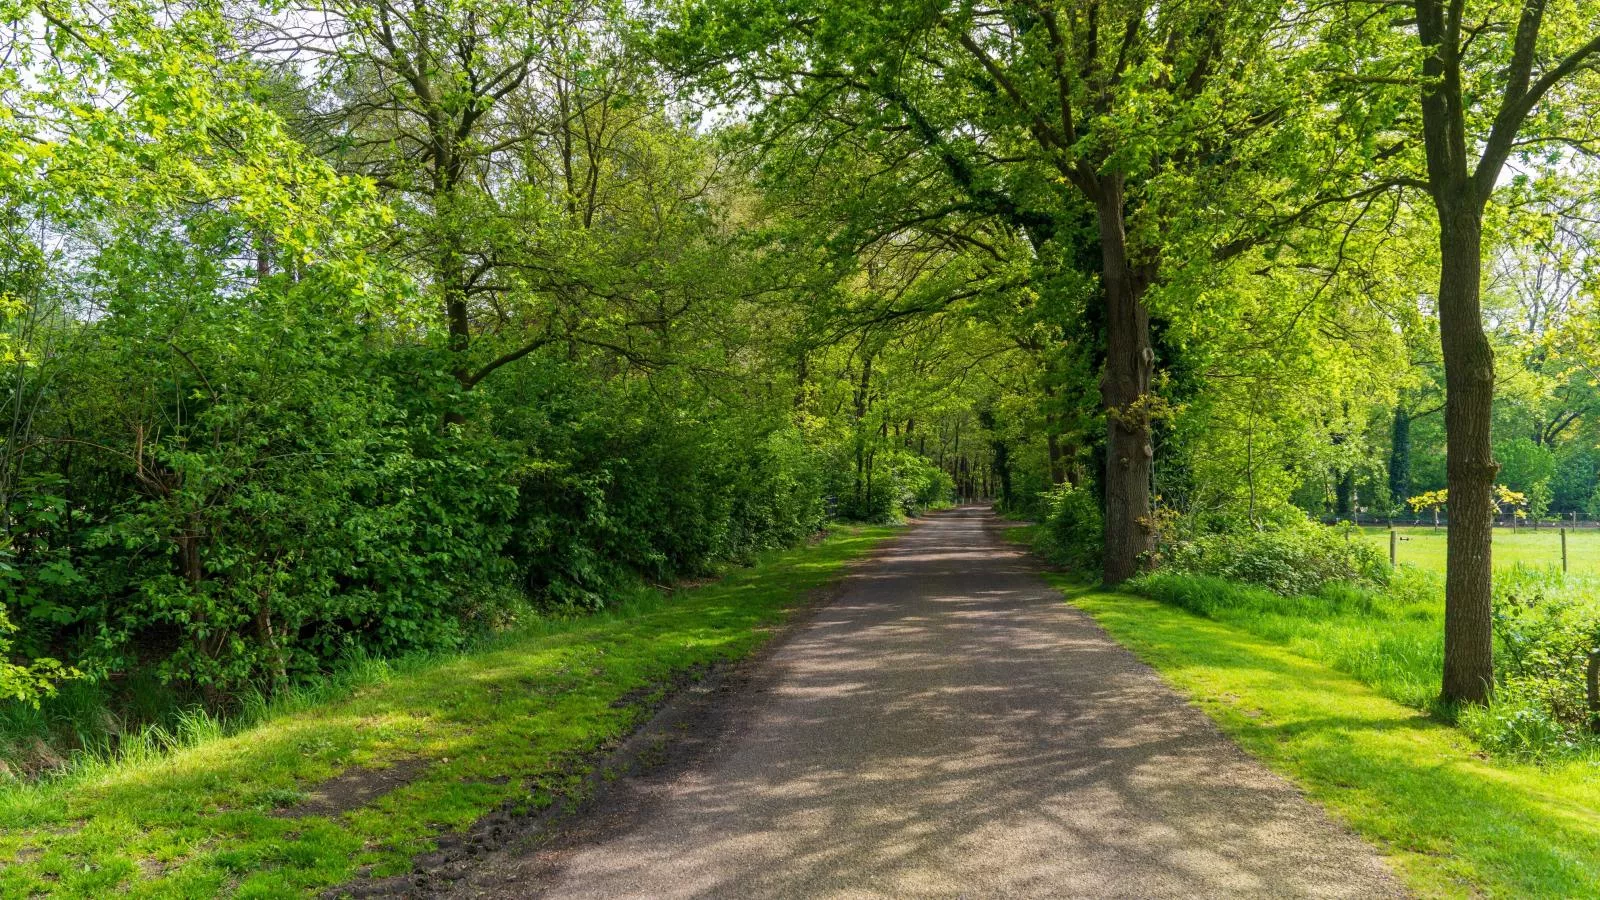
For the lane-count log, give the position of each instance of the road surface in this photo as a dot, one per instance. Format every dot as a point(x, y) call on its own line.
point(948, 727)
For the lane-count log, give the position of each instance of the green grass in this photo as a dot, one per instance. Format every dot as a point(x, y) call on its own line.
point(1392, 641)
point(1453, 822)
point(192, 816)
point(1326, 690)
point(1425, 548)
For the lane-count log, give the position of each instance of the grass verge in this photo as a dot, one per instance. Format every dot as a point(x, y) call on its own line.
point(1452, 821)
point(1391, 640)
point(510, 723)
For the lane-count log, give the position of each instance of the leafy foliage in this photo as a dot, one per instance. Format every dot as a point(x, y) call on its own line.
point(1547, 625)
point(1071, 529)
point(333, 327)
point(287, 379)
point(1288, 561)
point(25, 683)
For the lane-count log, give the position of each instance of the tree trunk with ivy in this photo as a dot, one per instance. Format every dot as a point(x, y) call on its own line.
point(1125, 394)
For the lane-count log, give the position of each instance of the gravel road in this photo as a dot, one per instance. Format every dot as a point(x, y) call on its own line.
point(948, 727)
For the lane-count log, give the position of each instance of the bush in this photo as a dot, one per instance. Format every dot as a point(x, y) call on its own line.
point(287, 521)
point(29, 681)
point(918, 483)
point(895, 483)
point(1519, 723)
point(608, 492)
point(1073, 530)
point(1546, 624)
point(1298, 559)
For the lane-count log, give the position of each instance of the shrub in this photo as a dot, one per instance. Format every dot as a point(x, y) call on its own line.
point(1297, 559)
point(25, 682)
point(1546, 624)
point(1073, 532)
point(1519, 723)
point(609, 492)
point(918, 483)
point(896, 483)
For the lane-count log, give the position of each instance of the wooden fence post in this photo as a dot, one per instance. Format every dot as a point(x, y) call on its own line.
point(1393, 540)
point(1563, 551)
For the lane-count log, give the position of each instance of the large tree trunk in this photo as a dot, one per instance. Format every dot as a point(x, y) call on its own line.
point(1124, 392)
point(1468, 359)
point(1470, 465)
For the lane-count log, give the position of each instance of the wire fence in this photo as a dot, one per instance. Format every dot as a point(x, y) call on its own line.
point(1575, 550)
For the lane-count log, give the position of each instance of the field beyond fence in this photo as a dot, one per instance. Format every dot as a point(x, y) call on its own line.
point(1424, 547)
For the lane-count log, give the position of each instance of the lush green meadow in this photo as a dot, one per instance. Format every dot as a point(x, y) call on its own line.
point(1424, 547)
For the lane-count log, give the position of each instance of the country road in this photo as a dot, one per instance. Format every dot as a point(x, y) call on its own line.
point(948, 727)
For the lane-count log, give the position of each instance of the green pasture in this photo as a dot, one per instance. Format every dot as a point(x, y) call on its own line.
point(1424, 547)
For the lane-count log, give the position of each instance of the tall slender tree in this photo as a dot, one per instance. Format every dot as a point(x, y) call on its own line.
point(1476, 86)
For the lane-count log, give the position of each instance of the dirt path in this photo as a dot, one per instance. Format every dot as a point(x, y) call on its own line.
point(949, 728)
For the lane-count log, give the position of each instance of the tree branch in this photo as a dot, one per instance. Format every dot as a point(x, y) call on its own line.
point(506, 359)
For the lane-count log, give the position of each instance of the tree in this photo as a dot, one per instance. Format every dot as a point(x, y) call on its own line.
point(1496, 79)
point(540, 188)
point(1058, 121)
point(1433, 501)
point(1467, 87)
point(1400, 454)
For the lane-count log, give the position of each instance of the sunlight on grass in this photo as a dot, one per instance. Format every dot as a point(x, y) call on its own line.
point(1453, 822)
point(1424, 547)
point(506, 724)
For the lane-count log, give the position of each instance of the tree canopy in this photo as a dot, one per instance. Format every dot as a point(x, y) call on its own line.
point(339, 326)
